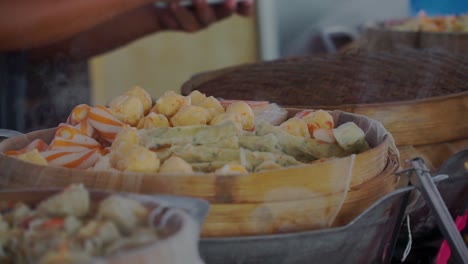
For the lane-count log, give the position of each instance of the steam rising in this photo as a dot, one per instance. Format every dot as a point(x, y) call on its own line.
point(54, 88)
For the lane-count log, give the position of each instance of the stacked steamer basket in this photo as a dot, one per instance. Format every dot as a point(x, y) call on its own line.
point(176, 221)
point(292, 199)
point(421, 97)
point(392, 36)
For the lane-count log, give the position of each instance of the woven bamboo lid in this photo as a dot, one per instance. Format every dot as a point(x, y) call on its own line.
point(338, 79)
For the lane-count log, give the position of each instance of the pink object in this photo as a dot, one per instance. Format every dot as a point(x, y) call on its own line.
point(444, 252)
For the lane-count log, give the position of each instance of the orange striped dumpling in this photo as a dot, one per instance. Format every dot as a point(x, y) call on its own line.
point(69, 138)
point(78, 114)
point(103, 120)
point(33, 156)
point(38, 144)
point(68, 159)
point(86, 128)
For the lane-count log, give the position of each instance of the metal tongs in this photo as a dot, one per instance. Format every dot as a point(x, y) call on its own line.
point(420, 178)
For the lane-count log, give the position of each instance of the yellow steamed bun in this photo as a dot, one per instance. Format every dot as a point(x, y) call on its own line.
point(318, 119)
point(246, 113)
point(143, 96)
point(296, 127)
point(190, 115)
point(213, 106)
point(234, 117)
point(128, 109)
point(196, 97)
point(230, 169)
point(175, 164)
point(170, 103)
point(153, 120)
point(135, 158)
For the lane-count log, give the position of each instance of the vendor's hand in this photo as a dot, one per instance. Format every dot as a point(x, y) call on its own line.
point(201, 15)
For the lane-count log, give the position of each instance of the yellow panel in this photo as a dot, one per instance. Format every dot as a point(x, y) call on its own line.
point(163, 61)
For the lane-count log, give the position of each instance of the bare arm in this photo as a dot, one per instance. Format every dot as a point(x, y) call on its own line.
point(30, 23)
point(138, 23)
point(104, 37)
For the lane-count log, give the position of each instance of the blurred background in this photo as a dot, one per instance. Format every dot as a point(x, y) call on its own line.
point(162, 62)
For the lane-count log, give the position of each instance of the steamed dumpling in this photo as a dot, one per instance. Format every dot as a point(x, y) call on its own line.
point(318, 119)
point(246, 113)
point(153, 120)
point(190, 115)
point(234, 117)
point(296, 127)
point(170, 103)
point(126, 135)
point(128, 109)
point(125, 213)
point(143, 96)
point(197, 97)
point(135, 158)
point(175, 164)
point(33, 156)
point(73, 201)
point(213, 106)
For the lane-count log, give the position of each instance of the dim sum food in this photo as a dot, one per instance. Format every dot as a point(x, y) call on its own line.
point(425, 23)
point(192, 134)
point(69, 227)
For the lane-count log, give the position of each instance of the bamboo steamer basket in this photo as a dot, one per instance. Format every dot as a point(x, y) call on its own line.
point(280, 217)
point(421, 97)
point(258, 203)
point(381, 37)
point(179, 232)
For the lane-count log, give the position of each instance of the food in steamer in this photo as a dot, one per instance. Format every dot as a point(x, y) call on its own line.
point(69, 227)
point(192, 134)
point(435, 24)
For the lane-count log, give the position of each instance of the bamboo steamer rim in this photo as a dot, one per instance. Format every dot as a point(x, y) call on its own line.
point(393, 152)
point(182, 185)
point(356, 201)
point(211, 187)
point(384, 104)
point(385, 26)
